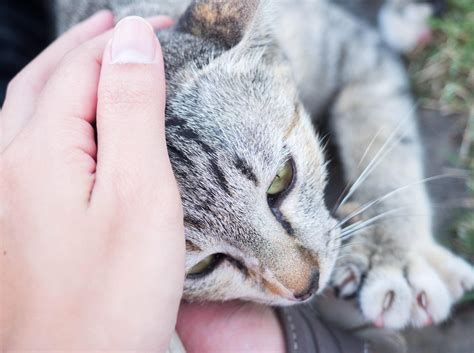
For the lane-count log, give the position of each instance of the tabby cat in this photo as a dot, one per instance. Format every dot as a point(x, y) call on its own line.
point(247, 83)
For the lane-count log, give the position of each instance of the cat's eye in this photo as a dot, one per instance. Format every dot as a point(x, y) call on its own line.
point(282, 180)
point(205, 266)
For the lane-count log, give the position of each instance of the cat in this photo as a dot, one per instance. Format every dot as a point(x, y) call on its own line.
point(247, 82)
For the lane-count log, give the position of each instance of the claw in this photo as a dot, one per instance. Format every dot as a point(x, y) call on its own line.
point(348, 279)
point(422, 300)
point(388, 301)
point(348, 285)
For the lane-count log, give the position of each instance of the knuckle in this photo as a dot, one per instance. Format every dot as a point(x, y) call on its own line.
point(73, 60)
point(16, 85)
point(76, 61)
point(124, 189)
point(11, 173)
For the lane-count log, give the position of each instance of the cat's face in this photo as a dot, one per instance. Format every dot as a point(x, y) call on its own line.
point(252, 176)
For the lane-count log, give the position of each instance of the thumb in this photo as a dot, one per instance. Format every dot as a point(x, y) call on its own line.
point(132, 159)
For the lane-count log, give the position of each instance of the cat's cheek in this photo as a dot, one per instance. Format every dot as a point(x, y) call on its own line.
point(224, 283)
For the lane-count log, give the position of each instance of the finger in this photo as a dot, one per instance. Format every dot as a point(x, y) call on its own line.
point(24, 89)
point(160, 22)
point(75, 80)
point(62, 124)
point(65, 112)
point(132, 156)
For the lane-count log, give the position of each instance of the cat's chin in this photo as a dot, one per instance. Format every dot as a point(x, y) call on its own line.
point(264, 299)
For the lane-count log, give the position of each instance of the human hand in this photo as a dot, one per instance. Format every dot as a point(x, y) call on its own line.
point(229, 327)
point(91, 243)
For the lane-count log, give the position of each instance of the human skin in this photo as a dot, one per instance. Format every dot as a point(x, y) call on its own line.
point(86, 225)
point(92, 239)
point(229, 327)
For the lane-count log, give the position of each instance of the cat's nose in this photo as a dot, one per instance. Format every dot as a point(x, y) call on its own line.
point(311, 289)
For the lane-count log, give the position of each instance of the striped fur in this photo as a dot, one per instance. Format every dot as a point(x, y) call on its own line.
point(243, 80)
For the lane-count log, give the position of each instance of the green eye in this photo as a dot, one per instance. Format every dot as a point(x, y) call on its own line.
point(205, 266)
point(282, 180)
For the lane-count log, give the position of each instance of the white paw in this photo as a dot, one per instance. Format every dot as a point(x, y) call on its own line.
point(418, 291)
point(385, 298)
point(347, 277)
point(456, 274)
point(431, 299)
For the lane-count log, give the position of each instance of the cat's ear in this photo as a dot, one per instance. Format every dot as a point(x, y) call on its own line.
point(229, 22)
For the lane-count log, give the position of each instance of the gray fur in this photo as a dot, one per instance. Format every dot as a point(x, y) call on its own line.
point(234, 117)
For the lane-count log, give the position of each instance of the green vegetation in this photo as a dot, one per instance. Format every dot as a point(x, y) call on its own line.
point(444, 71)
point(443, 76)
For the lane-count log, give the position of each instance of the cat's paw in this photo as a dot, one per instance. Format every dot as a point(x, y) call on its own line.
point(457, 274)
point(418, 290)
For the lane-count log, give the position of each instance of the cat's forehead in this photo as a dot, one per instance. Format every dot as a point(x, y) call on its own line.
point(243, 93)
point(242, 126)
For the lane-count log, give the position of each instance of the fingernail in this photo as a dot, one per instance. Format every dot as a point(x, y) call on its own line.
point(160, 22)
point(133, 42)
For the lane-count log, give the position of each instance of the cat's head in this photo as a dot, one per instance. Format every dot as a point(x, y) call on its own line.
point(250, 168)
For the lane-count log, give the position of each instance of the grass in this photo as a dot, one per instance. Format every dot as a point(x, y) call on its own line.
point(443, 77)
point(443, 72)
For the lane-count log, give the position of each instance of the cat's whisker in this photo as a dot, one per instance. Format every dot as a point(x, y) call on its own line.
point(388, 145)
point(398, 216)
point(350, 244)
point(342, 257)
point(346, 237)
point(240, 305)
point(383, 152)
point(346, 187)
point(361, 225)
point(348, 241)
point(388, 195)
point(347, 244)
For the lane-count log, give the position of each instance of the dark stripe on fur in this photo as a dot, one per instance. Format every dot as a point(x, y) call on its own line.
point(194, 223)
point(220, 176)
point(246, 170)
point(189, 134)
point(175, 121)
point(178, 154)
point(284, 223)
